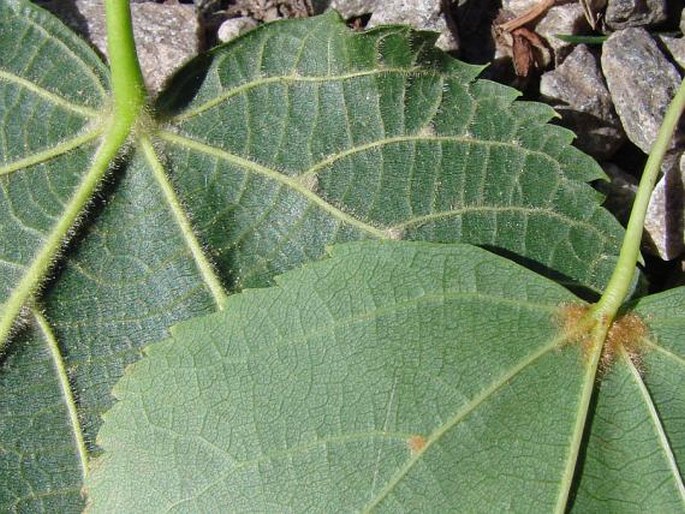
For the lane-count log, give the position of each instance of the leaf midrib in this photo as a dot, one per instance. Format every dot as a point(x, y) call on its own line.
point(656, 423)
point(289, 79)
point(459, 416)
point(299, 183)
point(424, 299)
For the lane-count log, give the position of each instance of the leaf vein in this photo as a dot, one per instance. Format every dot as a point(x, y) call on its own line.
point(53, 98)
point(51, 152)
point(330, 327)
point(67, 50)
point(458, 417)
point(67, 393)
point(657, 426)
point(293, 184)
point(285, 79)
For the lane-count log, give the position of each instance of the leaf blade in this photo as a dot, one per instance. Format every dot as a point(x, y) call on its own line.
point(374, 135)
point(355, 332)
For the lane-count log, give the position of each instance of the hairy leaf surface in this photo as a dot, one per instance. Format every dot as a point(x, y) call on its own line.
point(306, 134)
point(636, 451)
point(259, 154)
point(396, 377)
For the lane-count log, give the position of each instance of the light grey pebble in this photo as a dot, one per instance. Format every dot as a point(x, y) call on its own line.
point(621, 14)
point(233, 27)
point(421, 14)
point(642, 83)
point(577, 90)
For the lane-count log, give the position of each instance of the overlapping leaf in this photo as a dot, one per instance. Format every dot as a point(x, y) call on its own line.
point(296, 136)
point(396, 377)
point(306, 134)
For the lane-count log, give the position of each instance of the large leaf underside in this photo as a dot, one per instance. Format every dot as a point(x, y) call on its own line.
point(306, 134)
point(389, 378)
point(295, 136)
point(125, 277)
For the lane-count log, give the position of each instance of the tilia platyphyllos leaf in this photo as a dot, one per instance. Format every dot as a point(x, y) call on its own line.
point(121, 219)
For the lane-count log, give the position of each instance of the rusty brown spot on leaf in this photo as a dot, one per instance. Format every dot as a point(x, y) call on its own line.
point(416, 444)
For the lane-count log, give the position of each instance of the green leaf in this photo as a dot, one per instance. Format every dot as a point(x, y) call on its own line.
point(396, 377)
point(125, 276)
point(636, 450)
point(259, 154)
point(303, 134)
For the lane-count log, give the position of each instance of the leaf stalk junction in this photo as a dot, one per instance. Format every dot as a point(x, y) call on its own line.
point(130, 98)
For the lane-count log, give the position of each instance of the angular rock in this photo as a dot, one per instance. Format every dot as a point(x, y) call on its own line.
point(232, 28)
point(422, 14)
point(675, 47)
point(165, 34)
point(346, 8)
point(562, 19)
point(621, 14)
point(664, 223)
point(576, 89)
point(642, 83)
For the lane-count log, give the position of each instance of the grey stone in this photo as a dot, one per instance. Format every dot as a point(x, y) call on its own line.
point(664, 232)
point(165, 34)
point(519, 7)
point(232, 28)
point(347, 8)
point(642, 83)
point(562, 19)
point(620, 191)
point(664, 222)
point(578, 92)
point(422, 14)
point(621, 14)
point(675, 47)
